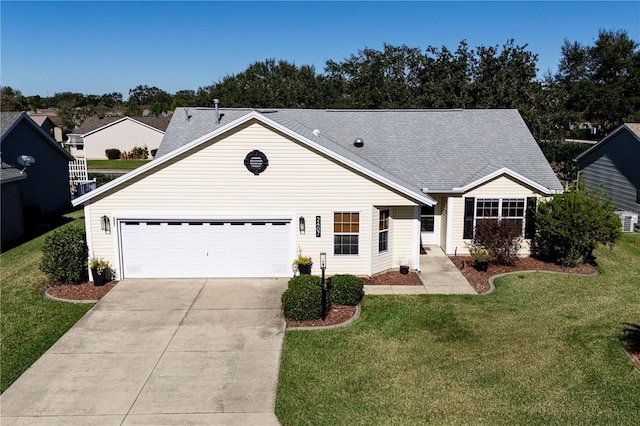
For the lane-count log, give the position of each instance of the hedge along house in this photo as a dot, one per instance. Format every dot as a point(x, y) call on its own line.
point(240, 192)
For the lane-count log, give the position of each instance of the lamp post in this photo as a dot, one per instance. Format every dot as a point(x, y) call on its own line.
point(323, 266)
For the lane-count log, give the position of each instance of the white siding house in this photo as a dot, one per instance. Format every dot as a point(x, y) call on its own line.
point(241, 193)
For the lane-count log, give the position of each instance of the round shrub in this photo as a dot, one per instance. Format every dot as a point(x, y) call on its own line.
point(302, 302)
point(64, 255)
point(112, 154)
point(346, 290)
point(305, 279)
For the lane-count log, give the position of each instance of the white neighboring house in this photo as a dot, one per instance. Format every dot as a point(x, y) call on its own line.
point(97, 134)
point(240, 192)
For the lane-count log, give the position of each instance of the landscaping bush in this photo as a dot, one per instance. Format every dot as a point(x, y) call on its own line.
point(346, 290)
point(630, 337)
point(501, 239)
point(136, 153)
point(112, 154)
point(65, 255)
point(571, 225)
point(305, 279)
point(302, 301)
point(101, 178)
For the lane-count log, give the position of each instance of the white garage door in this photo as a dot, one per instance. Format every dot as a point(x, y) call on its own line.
point(182, 249)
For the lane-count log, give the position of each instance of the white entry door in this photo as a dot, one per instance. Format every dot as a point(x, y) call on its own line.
point(190, 249)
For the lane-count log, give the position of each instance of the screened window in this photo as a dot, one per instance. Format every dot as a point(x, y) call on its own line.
point(383, 231)
point(346, 232)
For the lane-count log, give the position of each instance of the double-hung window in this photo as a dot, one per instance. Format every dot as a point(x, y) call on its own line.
point(501, 209)
point(383, 231)
point(346, 232)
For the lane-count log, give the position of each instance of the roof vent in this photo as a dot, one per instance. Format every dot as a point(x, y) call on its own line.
point(316, 132)
point(358, 143)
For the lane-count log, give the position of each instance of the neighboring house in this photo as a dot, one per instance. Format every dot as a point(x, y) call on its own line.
point(46, 189)
point(240, 192)
point(97, 134)
point(11, 203)
point(613, 165)
point(48, 125)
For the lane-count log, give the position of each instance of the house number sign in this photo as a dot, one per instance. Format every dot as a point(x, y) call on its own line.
point(318, 227)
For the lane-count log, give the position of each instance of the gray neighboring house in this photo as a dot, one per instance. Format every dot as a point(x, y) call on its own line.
point(46, 190)
point(613, 165)
point(11, 204)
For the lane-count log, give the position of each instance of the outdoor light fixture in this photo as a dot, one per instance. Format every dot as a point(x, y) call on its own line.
point(323, 260)
point(105, 224)
point(301, 224)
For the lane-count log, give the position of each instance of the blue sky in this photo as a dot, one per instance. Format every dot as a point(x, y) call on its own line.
point(101, 47)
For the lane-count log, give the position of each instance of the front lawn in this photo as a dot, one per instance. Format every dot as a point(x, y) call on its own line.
point(29, 323)
point(541, 349)
point(115, 164)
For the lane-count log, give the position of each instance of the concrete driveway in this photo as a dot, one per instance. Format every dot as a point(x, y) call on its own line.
point(161, 352)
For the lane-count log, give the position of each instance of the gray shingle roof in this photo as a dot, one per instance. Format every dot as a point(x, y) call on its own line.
point(8, 173)
point(435, 149)
point(10, 119)
point(93, 123)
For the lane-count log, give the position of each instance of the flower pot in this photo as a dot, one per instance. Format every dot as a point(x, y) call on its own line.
point(304, 269)
point(481, 266)
point(98, 279)
point(404, 270)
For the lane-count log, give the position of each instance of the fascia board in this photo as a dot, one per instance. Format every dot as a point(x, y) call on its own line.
point(508, 172)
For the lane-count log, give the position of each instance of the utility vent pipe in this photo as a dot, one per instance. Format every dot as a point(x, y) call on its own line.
point(215, 103)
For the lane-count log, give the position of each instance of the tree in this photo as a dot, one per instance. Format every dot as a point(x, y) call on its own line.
point(145, 95)
point(603, 80)
point(446, 78)
point(571, 225)
point(11, 100)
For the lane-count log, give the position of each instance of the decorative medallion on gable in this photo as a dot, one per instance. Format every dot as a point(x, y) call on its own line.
point(256, 162)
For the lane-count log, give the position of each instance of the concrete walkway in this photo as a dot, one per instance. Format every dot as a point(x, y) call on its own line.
point(438, 274)
point(159, 352)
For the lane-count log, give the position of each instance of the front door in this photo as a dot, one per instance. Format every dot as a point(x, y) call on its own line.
point(428, 226)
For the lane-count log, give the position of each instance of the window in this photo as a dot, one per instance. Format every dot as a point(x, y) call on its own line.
point(383, 231)
point(346, 228)
point(427, 219)
point(503, 209)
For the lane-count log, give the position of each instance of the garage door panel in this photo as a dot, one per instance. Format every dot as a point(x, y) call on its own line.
point(182, 249)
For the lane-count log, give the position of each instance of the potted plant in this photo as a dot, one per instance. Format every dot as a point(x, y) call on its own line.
point(481, 258)
point(101, 270)
point(303, 264)
point(404, 266)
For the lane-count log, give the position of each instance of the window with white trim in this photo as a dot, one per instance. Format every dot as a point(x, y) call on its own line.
point(383, 231)
point(346, 232)
point(501, 209)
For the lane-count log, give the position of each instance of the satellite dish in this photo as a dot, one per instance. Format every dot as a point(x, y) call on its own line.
point(26, 161)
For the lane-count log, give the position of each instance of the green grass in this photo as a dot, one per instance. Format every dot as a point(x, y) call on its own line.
point(115, 164)
point(29, 323)
point(541, 349)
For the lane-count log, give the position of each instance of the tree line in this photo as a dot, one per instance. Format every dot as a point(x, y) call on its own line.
point(597, 84)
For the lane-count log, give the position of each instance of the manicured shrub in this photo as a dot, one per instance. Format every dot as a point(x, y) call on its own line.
point(64, 256)
point(112, 154)
point(302, 301)
point(136, 153)
point(305, 279)
point(571, 225)
point(501, 239)
point(630, 337)
point(346, 290)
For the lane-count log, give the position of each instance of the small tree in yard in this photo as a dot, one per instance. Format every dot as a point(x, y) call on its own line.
point(571, 225)
point(501, 239)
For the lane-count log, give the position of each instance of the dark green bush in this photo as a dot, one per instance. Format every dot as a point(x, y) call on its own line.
point(571, 225)
point(136, 153)
point(305, 279)
point(112, 154)
point(346, 290)
point(302, 301)
point(64, 256)
point(630, 337)
point(101, 178)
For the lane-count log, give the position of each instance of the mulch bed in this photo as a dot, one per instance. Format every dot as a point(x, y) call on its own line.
point(480, 280)
point(337, 315)
point(393, 277)
point(80, 292)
